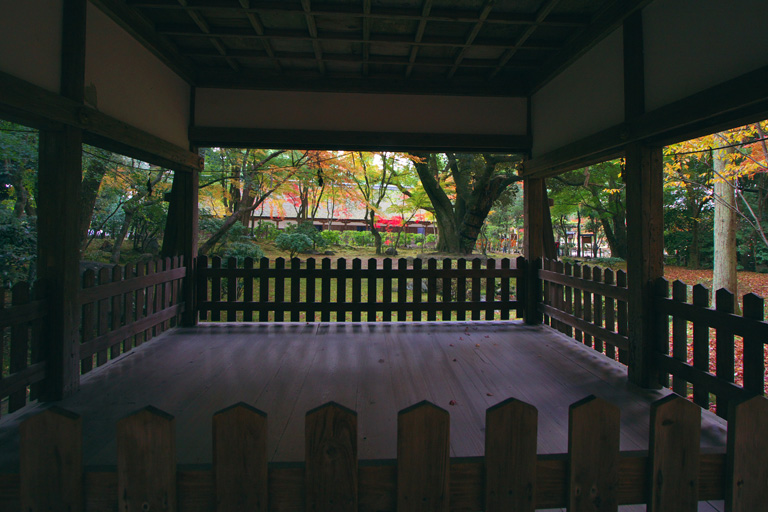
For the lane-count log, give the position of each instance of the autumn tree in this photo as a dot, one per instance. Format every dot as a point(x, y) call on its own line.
point(247, 178)
point(462, 189)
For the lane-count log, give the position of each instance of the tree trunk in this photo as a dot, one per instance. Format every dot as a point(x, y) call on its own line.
point(724, 275)
point(92, 177)
point(120, 238)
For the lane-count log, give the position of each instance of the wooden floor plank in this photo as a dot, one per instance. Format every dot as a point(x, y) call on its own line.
point(376, 369)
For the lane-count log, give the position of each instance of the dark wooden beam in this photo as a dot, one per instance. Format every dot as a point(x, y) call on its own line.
point(379, 12)
point(202, 24)
point(143, 30)
point(355, 140)
point(425, 10)
point(38, 107)
point(484, 13)
point(608, 19)
point(733, 103)
point(386, 84)
point(312, 29)
point(258, 27)
point(59, 182)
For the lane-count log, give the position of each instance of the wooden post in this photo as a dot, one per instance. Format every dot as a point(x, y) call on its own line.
point(746, 471)
point(533, 198)
point(331, 458)
point(240, 459)
point(59, 178)
point(423, 465)
point(180, 238)
point(593, 456)
point(674, 455)
point(146, 461)
point(510, 456)
point(645, 220)
point(51, 462)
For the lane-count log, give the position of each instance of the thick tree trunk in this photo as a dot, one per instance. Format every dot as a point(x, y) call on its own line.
point(120, 238)
point(724, 275)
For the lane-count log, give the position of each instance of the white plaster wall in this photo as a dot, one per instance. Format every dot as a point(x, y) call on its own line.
point(691, 45)
point(133, 85)
point(30, 41)
point(584, 99)
point(360, 112)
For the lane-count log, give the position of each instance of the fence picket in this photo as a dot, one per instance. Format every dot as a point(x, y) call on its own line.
point(279, 289)
point(423, 458)
point(51, 461)
point(129, 301)
point(105, 277)
point(746, 470)
point(231, 289)
point(372, 288)
point(310, 290)
point(461, 291)
point(240, 459)
point(331, 459)
point(447, 292)
point(149, 297)
point(586, 274)
point(621, 315)
point(675, 434)
point(264, 289)
point(679, 337)
point(341, 291)
point(432, 288)
point(357, 287)
point(417, 290)
point(402, 288)
point(88, 320)
point(295, 288)
point(597, 277)
point(754, 349)
point(724, 349)
point(578, 304)
point(387, 291)
point(510, 457)
point(610, 313)
point(504, 290)
point(202, 286)
point(593, 456)
point(476, 289)
point(19, 346)
point(248, 288)
point(146, 461)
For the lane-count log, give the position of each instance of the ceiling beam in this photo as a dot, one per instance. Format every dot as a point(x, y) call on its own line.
point(471, 36)
point(352, 37)
point(397, 13)
point(603, 24)
point(258, 27)
point(541, 15)
point(203, 25)
point(143, 30)
point(366, 35)
point(425, 9)
point(312, 27)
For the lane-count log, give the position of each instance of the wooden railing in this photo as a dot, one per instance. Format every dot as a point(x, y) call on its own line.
point(588, 304)
point(673, 475)
point(689, 362)
point(21, 363)
point(126, 306)
point(306, 292)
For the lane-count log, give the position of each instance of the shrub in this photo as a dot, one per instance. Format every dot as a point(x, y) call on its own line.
point(331, 237)
point(307, 229)
point(241, 250)
point(293, 243)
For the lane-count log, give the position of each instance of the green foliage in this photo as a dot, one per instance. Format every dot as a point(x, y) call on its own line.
point(431, 238)
point(307, 229)
point(293, 243)
point(241, 250)
point(265, 230)
point(331, 237)
point(18, 248)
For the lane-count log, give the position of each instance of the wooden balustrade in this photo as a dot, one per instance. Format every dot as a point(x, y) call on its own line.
point(22, 367)
point(593, 475)
point(588, 304)
point(408, 291)
point(691, 344)
point(125, 306)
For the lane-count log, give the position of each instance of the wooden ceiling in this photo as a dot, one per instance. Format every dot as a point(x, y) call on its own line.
point(477, 47)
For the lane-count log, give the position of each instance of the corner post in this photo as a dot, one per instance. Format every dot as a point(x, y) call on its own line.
point(533, 247)
point(59, 183)
point(645, 216)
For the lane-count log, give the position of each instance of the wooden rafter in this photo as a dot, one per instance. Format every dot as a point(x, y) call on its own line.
point(258, 27)
point(471, 36)
point(426, 8)
point(312, 28)
point(541, 15)
point(366, 35)
point(203, 25)
point(389, 13)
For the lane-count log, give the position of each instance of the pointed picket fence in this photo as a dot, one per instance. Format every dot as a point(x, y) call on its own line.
point(593, 476)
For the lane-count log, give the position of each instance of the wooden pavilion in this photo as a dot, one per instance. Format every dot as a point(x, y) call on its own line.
point(568, 83)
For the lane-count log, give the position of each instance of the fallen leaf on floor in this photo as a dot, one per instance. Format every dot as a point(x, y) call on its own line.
point(477, 344)
point(452, 402)
point(381, 360)
point(489, 394)
point(454, 360)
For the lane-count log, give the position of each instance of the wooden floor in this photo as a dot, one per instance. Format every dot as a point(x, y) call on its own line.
point(375, 369)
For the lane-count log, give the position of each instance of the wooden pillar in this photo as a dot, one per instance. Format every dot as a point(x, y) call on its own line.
point(645, 219)
point(533, 246)
point(59, 177)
